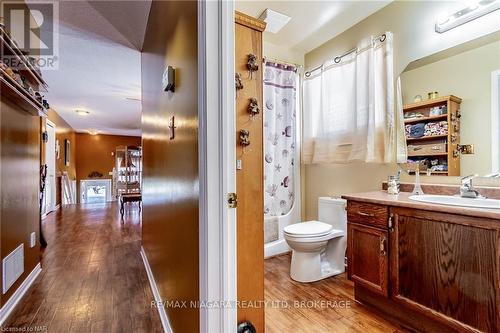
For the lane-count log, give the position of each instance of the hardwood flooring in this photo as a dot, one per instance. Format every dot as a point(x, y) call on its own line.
point(93, 278)
point(342, 314)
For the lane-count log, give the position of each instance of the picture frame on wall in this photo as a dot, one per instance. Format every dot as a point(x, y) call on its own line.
point(67, 150)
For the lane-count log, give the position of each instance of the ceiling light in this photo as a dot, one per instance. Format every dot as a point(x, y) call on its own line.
point(93, 131)
point(467, 14)
point(133, 99)
point(82, 112)
point(274, 21)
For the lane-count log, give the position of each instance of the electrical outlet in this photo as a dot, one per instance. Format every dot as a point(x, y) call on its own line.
point(32, 239)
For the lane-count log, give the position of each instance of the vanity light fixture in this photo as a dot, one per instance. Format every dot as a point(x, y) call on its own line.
point(82, 112)
point(475, 10)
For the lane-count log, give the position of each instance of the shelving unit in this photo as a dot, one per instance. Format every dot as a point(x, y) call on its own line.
point(128, 169)
point(32, 73)
point(451, 139)
point(12, 90)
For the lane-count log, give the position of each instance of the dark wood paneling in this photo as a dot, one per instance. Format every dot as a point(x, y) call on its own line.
point(93, 278)
point(250, 179)
point(446, 267)
point(19, 179)
point(366, 213)
point(368, 257)
point(170, 177)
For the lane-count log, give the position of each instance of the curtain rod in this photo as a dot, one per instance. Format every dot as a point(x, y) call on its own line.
point(337, 59)
point(264, 59)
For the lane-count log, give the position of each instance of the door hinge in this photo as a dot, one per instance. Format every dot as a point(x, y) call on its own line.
point(232, 200)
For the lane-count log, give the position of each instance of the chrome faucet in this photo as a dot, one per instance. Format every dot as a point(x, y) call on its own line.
point(467, 189)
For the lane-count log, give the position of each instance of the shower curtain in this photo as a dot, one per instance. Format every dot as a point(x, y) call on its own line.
point(280, 85)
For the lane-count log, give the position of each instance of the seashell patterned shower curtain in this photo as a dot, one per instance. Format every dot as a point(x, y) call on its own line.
point(280, 88)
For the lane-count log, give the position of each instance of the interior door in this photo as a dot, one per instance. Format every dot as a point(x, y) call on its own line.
point(50, 160)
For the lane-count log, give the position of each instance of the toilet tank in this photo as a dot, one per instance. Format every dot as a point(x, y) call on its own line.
point(333, 211)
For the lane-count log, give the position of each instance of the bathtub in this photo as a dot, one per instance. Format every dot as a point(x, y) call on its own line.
point(280, 245)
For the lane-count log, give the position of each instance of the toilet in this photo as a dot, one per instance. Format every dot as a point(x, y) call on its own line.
point(318, 247)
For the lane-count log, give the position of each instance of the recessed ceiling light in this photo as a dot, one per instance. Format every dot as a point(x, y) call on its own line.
point(82, 112)
point(93, 131)
point(274, 21)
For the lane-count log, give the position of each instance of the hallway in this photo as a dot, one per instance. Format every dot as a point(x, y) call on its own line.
point(93, 278)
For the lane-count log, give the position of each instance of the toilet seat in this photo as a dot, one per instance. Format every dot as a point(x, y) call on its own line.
point(308, 229)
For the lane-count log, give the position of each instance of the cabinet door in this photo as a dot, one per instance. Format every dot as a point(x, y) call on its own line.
point(446, 266)
point(368, 257)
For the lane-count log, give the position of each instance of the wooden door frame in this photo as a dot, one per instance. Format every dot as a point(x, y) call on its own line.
point(217, 155)
point(53, 183)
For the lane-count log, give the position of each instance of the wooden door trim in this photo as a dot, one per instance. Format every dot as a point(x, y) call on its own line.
point(249, 21)
point(383, 289)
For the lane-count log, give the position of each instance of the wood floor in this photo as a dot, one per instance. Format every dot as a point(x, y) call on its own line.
point(302, 316)
point(93, 278)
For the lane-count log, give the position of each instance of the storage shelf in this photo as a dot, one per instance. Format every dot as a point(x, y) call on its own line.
point(431, 102)
point(9, 44)
point(11, 89)
point(428, 155)
point(426, 119)
point(427, 138)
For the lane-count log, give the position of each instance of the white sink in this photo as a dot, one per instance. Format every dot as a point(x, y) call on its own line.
point(457, 201)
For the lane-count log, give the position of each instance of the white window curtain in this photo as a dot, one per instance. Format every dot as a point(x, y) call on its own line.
point(349, 107)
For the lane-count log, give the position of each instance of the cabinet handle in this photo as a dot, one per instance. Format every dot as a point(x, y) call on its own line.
point(389, 223)
point(382, 246)
point(366, 214)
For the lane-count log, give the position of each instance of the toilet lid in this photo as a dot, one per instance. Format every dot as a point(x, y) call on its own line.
point(308, 229)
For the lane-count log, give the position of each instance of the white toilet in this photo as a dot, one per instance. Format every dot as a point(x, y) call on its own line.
point(319, 246)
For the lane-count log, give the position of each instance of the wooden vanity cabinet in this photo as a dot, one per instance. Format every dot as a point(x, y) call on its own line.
point(369, 264)
point(437, 271)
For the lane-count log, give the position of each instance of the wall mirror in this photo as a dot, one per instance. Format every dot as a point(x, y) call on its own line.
point(451, 109)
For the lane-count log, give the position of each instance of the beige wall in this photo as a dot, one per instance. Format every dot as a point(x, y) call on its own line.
point(468, 76)
point(412, 23)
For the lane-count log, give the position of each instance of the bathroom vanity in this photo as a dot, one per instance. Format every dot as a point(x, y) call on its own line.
point(431, 268)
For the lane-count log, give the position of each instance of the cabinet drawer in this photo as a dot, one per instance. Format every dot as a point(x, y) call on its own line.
point(367, 213)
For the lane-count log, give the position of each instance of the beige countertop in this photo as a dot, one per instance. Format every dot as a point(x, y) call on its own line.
point(402, 200)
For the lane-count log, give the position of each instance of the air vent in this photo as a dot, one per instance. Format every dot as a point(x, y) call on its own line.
point(274, 21)
point(13, 267)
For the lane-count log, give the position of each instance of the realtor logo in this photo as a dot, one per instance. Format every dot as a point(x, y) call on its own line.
point(33, 27)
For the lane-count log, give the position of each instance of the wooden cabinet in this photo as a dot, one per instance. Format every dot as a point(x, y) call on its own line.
point(368, 253)
point(429, 271)
point(445, 264)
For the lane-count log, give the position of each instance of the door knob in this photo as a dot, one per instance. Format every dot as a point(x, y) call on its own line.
point(246, 327)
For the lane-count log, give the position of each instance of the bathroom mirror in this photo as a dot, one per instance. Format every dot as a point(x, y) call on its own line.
point(451, 109)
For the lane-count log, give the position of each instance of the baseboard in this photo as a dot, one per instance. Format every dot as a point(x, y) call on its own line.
point(156, 294)
point(19, 293)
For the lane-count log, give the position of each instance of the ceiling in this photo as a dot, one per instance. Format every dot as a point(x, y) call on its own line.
point(99, 65)
point(313, 22)
point(100, 43)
